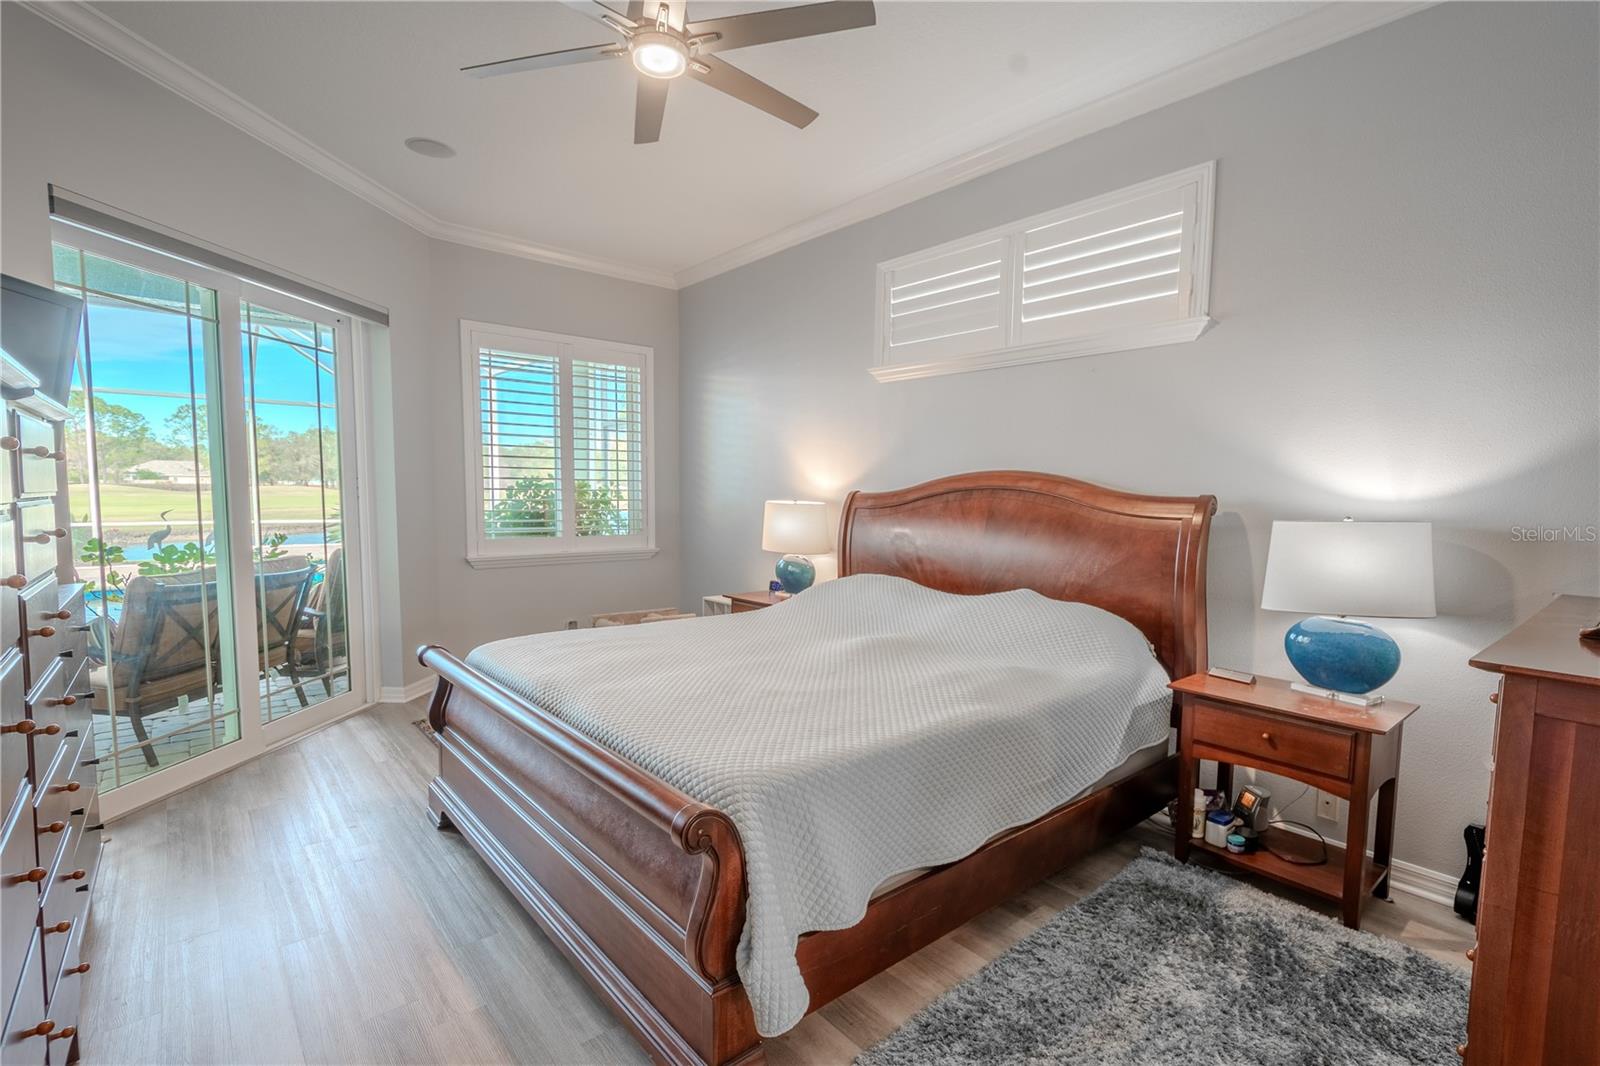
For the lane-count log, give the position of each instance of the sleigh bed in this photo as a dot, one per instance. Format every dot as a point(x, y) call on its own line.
point(643, 887)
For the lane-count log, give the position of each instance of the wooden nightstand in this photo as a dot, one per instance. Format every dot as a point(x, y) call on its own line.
point(753, 601)
point(1348, 751)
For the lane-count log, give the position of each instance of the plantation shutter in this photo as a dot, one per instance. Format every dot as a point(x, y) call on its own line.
point(520, 423)
point(608, 448)
point(558, 446)
point(1128, 269)
point(1118, 266)
point(951, 302)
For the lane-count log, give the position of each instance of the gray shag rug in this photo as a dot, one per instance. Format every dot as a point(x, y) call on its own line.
point(1167, 963)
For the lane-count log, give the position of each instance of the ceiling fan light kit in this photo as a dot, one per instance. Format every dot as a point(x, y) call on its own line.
point(659, 55)
point(663, 45)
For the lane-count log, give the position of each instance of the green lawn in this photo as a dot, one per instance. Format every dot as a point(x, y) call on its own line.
point(134, 503)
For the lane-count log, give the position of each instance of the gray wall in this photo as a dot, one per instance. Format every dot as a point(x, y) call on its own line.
point(78, 118)
point(1405, 283)
point(479, 605)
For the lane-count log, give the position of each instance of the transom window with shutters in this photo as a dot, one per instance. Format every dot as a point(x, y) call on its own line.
point(1130, 269)
point(558, 446)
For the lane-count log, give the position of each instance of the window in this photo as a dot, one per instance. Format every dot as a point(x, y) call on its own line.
point(1130, 269)
point(558, 447)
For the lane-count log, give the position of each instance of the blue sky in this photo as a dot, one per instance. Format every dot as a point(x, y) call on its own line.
point(138, 348)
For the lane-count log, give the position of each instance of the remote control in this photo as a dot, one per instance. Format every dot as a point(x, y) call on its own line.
point(1232, 675)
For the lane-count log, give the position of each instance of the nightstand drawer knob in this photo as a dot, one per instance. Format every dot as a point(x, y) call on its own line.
point(1472, 953)
point(1266, 736)
point(1494, 697)
point(1461, 1049)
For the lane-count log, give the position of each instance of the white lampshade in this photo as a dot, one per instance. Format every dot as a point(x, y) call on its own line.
point(1366, 569)
point(797, 527)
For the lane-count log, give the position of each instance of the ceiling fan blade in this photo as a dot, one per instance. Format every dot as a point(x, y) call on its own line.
point(594, 9)
point(648, 108)
point(544, 60)
point(785, 23)
point(728, 78)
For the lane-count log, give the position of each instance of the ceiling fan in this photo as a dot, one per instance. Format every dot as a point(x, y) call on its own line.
point(663, 45)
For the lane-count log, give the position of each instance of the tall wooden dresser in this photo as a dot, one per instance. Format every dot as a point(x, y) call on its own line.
point(1536, 966)
point(50, 840)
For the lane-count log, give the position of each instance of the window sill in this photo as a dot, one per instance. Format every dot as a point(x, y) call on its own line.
point(598, 555)
point(1117, 340)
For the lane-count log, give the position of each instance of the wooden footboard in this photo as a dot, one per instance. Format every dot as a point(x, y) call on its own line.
point(639, 885)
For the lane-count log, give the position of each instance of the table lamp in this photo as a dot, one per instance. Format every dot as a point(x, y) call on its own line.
point(798, 528)
point(1369, 569)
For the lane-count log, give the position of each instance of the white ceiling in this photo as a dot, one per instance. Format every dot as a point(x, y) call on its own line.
point(546, 159)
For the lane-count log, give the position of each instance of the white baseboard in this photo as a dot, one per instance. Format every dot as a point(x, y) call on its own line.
point(406, 693)
point(1424, 883)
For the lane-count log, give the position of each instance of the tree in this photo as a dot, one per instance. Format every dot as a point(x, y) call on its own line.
point(122, 439)
point(186, 425)
point(529, 505)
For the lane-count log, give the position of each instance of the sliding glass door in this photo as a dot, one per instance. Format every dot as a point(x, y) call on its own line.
point(213, 514)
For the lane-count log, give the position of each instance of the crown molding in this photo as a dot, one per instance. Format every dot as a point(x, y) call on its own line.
point(120, 43)
point(1311, 31)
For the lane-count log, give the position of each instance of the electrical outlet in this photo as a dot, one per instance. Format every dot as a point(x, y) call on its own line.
point(572, 623)
point(1327, 805)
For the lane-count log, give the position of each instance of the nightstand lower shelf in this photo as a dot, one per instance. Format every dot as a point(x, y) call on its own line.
point(1323, 879)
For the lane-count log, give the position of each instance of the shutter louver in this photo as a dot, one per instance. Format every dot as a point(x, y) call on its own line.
point(949, 303)
point(519, 411)
point(608, 449)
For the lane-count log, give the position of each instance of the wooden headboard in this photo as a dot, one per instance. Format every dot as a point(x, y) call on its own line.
point(1141, 557)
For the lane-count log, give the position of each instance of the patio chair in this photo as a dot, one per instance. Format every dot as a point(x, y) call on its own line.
point(321, 640)
point(166, 644)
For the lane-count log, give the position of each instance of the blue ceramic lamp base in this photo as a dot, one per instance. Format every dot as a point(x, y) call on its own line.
point(795, 573)
point(1342, 659)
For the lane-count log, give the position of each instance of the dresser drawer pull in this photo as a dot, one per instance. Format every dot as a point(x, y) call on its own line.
point(1266, 736)
point(28, 727)
point(63, 926)
point(15, 581)
point(82, 967)
point(1494, 697)
point(43, 452)
point(65, 1034)
point(1472, 953)
point(42, 1029)
point(42, 631)
point(1461, 1049)
point(70, 786)
point(35, 875)
point(61, 701)
point(53, 827)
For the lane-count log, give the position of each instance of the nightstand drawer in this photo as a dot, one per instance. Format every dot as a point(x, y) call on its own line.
point(1305, 747)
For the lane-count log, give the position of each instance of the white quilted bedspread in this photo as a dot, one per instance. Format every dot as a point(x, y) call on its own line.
point(866, 727)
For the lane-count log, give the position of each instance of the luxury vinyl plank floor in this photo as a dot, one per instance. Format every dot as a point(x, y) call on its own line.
point(300, 909)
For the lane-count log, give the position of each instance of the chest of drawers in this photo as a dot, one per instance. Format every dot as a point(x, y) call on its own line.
point(50, 833)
